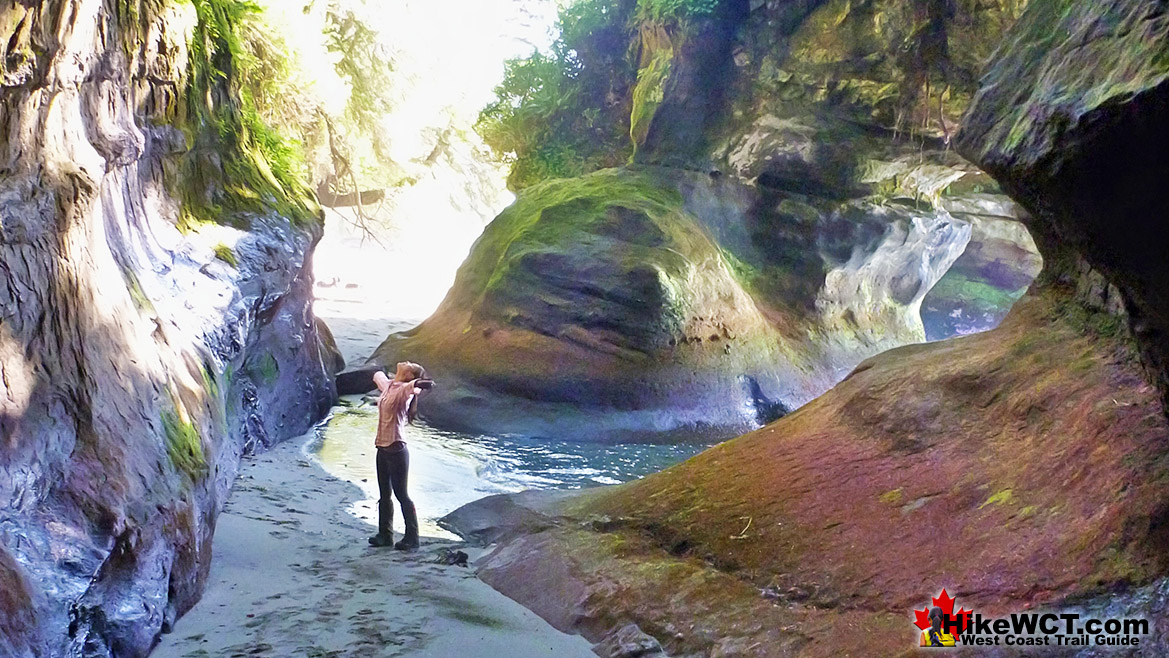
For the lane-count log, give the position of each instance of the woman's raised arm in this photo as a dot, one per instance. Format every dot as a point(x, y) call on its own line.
point(381, 380)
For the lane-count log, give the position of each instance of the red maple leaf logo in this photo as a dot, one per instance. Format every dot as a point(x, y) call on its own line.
point(946, 603)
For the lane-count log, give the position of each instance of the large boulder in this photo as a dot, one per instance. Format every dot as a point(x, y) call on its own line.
point(1021, 468)
point(641, 302)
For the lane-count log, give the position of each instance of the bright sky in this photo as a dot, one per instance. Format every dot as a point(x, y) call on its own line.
point(448, 57)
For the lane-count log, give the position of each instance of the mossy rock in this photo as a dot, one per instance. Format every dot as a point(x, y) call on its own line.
point(598, 291)
point(645, 301)
point(1070, 120)
point(988, 435)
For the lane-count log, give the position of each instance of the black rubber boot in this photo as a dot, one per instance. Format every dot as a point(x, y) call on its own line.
point(381, 540)
point(410, 541)
point(407, 544)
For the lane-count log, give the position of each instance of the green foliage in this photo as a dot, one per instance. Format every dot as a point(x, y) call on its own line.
point(226, 254)
point(366, 68)
point(665, 10)
point(354, 142)
point(566, 112)
point(184, 447)
point(237, 162)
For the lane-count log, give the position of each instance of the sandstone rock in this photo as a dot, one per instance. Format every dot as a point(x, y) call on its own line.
point(356, 381)
point(919, 451)
point(1069, 120)
point(334, 361)
point(137, 365)
point(644, 302)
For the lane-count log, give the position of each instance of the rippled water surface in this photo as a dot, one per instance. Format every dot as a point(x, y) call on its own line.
point(449, 469)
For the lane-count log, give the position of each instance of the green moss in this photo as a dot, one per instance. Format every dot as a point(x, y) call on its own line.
point(891, 497)
point(184, 446)
point(541, 215)
point(210, 383)
point(906, 64)
point(649, 93)
point(269, 369)
point(226, 254)
point(1003, 497)
point(137, 294)
point(1086, 320)
point(980, 294)
point(236, 164)
point(744, 272)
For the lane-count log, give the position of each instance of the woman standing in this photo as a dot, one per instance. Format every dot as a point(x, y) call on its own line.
point(397, 405)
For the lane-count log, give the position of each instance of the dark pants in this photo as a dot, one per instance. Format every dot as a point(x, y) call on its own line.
point(392, 465)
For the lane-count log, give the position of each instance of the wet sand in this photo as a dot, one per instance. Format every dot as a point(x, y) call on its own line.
point(292, 575)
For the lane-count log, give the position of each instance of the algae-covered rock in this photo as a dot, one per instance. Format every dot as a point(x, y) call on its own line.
point(639, 302)
point(1070, 119)
point(684, 63)
point(1021, 468)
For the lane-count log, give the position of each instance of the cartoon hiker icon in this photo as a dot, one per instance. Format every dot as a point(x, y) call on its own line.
point(934, 636)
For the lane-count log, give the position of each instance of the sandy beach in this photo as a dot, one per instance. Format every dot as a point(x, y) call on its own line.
point(292, 575)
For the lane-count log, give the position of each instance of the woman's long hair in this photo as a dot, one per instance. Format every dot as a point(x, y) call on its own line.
point(419, 373)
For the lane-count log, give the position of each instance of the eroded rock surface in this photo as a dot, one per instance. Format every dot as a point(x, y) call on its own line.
point(1020, 468)
point(641, 302)
point(1017, 468)
point(993, 272)
point(139, 362)
point(1071, 119)
point(792, 199)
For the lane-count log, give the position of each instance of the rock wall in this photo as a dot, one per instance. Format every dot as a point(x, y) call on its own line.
point(1070, 120)
point(138, 361)
point(1021, 468)
point(809, 144)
